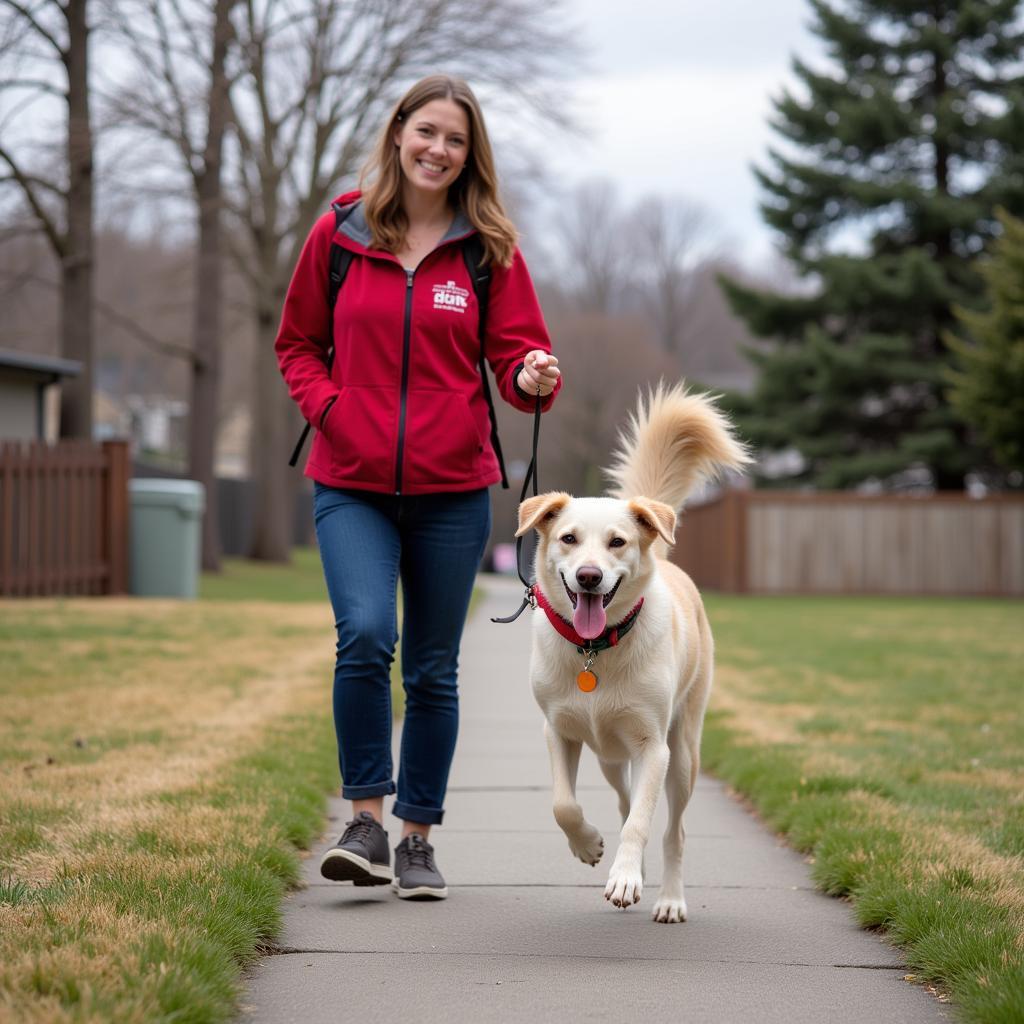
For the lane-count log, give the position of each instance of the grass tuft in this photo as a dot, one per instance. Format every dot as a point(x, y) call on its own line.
point(14, 892)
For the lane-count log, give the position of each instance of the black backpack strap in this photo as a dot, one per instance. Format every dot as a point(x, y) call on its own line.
point(480, 274)
point(339, 261)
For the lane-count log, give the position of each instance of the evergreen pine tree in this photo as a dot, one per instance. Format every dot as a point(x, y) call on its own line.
point(894, 163)
point(988, 373)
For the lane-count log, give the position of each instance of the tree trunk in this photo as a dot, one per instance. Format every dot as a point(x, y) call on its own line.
point(273, 492)
point(77, 262)
point(202, 439)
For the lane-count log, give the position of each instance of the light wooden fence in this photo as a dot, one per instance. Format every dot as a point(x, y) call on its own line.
point(63, 518)
point(837, 542)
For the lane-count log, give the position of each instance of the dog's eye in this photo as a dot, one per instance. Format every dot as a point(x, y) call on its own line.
point(568, 538)
point(616, 542)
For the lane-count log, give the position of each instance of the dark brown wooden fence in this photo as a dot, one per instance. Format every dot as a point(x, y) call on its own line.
point(837, 542)
point(63, 518)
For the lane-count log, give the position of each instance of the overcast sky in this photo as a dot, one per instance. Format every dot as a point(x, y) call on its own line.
point(678, 100)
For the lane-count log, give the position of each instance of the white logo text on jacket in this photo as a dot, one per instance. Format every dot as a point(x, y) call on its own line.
point(451, 297)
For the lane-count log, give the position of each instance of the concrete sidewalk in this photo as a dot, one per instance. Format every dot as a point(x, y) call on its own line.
point(526, 933)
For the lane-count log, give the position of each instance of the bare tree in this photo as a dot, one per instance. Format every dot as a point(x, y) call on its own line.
point(668, 239)
point(318, 80)
point(44, 55)
point(144, 306)
point(607, 359)
point(595, 260)
point(178, 93)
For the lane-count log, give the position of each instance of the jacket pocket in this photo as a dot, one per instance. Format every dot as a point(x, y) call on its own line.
point(442, 443)
point(361, 429)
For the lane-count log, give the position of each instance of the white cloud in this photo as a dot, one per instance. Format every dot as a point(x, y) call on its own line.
point(692, 132)
point(677, 100)
point(659, 34)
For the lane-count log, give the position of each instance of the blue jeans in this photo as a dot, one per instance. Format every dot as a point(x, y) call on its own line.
point(433, 543)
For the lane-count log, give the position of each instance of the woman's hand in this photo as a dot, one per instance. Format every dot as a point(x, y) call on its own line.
point(540, 371)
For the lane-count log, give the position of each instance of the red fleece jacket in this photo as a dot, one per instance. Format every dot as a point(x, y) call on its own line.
point(402, 409)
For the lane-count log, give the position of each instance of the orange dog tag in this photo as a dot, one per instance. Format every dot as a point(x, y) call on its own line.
point(586, 681)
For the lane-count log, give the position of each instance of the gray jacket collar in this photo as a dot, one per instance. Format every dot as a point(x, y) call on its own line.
point(354, 226)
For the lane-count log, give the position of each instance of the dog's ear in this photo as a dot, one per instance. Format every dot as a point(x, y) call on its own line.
point(536, 512)
point(655, 517)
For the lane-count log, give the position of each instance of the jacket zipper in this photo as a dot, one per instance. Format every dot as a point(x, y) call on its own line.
point(406, 337)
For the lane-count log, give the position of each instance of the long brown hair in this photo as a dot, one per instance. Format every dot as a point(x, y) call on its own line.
point(475, 191)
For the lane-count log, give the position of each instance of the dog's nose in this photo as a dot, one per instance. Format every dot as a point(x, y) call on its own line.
point(589, 576)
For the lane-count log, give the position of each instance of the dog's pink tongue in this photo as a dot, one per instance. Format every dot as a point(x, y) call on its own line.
point(589, 618)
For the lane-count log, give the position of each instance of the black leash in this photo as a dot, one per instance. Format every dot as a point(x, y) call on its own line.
point(531, 475)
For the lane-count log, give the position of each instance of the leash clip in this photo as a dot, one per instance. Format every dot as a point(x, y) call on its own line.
point(529, 601)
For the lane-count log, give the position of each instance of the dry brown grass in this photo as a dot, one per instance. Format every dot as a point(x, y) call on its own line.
point(109, 710)
point(941, 841)
point(884, 738)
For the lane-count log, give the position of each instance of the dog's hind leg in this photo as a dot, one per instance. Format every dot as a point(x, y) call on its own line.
point(584, 840)
point(679, 782)
point(617, 773)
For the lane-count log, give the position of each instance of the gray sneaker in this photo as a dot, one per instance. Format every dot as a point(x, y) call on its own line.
point(361, 856)
point(416, 874)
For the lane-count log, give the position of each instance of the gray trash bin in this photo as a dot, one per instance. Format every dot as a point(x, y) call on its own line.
point(166, 532)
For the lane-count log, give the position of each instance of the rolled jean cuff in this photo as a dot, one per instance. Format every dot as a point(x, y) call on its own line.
point(420, 815)
point(365, 792)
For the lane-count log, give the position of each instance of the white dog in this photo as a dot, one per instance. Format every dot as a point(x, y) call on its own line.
point(622, 650)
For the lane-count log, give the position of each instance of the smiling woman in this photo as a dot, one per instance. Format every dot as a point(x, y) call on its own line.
point(403, 457)
point(433, 144)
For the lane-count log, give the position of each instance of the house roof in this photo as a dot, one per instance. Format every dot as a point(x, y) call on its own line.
point(43, 366)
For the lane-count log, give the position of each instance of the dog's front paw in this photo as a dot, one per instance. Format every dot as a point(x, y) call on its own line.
point(669, 911)
point(624, 887)
point(587, 845)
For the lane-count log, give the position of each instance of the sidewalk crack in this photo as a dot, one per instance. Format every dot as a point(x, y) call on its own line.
point(317, 884)
point(272, 950)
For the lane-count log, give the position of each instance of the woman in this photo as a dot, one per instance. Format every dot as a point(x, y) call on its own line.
point(402, 457)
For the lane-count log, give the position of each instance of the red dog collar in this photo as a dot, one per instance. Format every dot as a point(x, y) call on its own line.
point(609, 638)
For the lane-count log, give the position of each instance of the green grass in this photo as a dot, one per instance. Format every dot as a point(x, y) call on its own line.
point(243, 580)
point(198, 912)
point(161, 763)
point(301, 580)
point(153, 801)
point(147, 832)
point(884, 738)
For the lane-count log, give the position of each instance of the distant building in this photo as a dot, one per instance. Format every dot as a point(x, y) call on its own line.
point(232, 452)
point(157, 428)
point(111, 419)
point(30, 395)
point(155, 424)
point(158, 423)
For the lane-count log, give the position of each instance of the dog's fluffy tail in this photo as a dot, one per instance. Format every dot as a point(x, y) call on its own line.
point(672, 442)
